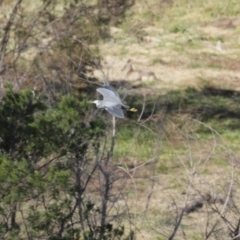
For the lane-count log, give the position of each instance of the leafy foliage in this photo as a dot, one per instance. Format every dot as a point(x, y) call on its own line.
point(46, 165)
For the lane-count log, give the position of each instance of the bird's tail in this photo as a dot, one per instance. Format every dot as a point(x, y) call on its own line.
point(125, 106)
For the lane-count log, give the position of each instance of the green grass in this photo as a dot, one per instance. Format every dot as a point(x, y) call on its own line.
point(179, 141)
point(200, 129)
point(207, 9)
point(178, 28)
point(135, 141)
point(202, 64)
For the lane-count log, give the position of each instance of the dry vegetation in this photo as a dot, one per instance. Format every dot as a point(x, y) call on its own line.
point(182, 42)
point(184, 171)
point(178, 157)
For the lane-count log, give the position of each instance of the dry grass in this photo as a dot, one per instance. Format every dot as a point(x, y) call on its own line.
point(182, 49)
point(186, 44)
point(177, 188)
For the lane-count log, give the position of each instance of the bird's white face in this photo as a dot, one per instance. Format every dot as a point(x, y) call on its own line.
point(97, 102)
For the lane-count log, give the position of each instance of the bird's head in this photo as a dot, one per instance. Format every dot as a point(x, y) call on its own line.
point(97, 102)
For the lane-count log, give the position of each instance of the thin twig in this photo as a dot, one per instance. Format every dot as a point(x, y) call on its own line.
point(113, 137)
point(7, 30)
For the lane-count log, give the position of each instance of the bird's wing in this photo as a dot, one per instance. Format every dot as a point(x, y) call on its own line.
point(111, 89)
point(115, 111)
point(109, 95)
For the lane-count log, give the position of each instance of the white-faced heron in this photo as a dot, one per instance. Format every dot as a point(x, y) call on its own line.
point(111, 101)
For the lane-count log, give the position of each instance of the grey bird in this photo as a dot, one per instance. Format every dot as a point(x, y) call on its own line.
point(111, 101)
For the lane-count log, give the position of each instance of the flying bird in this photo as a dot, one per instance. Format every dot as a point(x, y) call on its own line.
point(111, 101)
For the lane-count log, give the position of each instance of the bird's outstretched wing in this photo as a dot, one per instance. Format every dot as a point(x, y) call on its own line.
point(111, 89)
point(116, 111)
point(109, 95)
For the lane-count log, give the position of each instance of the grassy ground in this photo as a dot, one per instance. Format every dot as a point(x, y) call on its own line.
point(187, 143)
point(183, 51)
